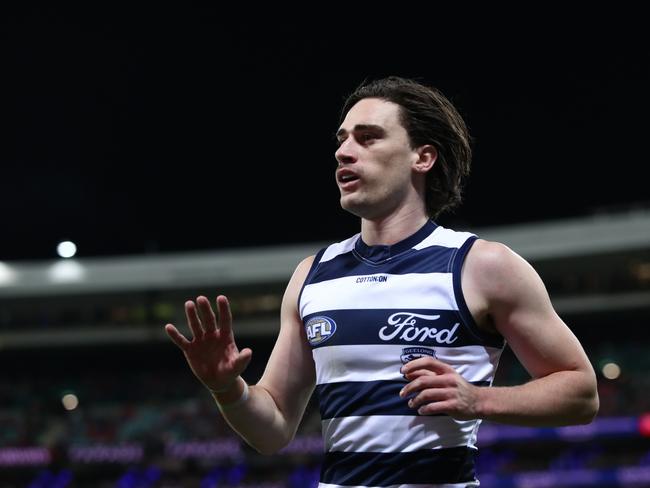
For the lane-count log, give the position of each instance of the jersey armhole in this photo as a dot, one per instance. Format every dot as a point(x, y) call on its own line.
point(494, 340)
point(310, 275)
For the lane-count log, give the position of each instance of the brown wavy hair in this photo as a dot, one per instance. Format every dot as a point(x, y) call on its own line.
point(429, 118)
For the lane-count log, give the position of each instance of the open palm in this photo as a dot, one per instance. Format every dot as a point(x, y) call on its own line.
point(212, 353)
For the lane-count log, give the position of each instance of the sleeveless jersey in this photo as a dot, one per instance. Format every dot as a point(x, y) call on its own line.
point(367, 310)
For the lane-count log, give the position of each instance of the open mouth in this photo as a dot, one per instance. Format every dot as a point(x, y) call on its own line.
point(346, 176)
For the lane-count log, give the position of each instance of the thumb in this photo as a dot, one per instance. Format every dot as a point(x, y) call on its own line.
point(243, 360)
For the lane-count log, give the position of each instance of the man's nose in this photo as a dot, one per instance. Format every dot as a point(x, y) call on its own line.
point(346, 154)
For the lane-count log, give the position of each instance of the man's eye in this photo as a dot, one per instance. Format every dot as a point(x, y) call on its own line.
point(363, 138)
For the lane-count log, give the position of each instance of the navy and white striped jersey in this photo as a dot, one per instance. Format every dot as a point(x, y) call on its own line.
point(369, 309)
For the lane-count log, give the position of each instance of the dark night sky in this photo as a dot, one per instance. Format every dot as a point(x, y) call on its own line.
point(174, 130)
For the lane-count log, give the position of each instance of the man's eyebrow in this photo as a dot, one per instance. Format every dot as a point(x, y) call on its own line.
point(361, 127)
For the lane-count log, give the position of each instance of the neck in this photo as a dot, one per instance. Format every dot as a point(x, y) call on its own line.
point(392, 229)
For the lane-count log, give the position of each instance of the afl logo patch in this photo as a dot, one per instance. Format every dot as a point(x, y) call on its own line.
point(319, 329)
point(411, 353)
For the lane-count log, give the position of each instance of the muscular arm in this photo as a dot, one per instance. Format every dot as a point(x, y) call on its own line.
point(505, 293)
point(563, 386)
point(269, 418)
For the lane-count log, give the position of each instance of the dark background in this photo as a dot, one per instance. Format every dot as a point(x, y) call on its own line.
point(174, 129)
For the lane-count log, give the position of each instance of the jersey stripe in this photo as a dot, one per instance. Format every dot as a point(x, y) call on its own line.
point(471, 484)
point(365, 398)
point(444, 237)
point(394, 433)
point(455, 465)
point(415, 327)
point(417, 290)
point(339, 248)
point(354, 363)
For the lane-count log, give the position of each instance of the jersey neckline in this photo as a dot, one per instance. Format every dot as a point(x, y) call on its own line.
point(382, 252)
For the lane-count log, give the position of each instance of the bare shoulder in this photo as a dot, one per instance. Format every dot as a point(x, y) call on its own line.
point(302, 270)
point(298, 278)
point(496, 270)
point(492, 257)
point(306, 263)
point(501, 287)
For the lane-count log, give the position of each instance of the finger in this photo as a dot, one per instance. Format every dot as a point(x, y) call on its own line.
point(427, 363)
point(193, 319)
point(429, 395)
point(423, 382)
point(225, 315)
point(419, 372)
point(208, 319)
point(436, 408)
point(177, 337)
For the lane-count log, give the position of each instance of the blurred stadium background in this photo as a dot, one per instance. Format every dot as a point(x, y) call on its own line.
point(94, 394)
point(176, 145)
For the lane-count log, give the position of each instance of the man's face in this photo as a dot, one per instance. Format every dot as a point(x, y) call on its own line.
point(374, 160)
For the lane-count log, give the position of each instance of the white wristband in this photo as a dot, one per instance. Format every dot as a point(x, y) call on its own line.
point(236, 403)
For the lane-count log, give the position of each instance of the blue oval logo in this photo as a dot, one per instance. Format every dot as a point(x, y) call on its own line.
point(319, 329)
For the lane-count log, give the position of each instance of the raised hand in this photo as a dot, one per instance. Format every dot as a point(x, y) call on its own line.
point(438, 388)
point(212, 353)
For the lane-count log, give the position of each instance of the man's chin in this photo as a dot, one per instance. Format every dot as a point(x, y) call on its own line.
point(354, 207)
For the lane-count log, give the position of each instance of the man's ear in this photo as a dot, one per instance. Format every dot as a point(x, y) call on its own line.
point(427, 156)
